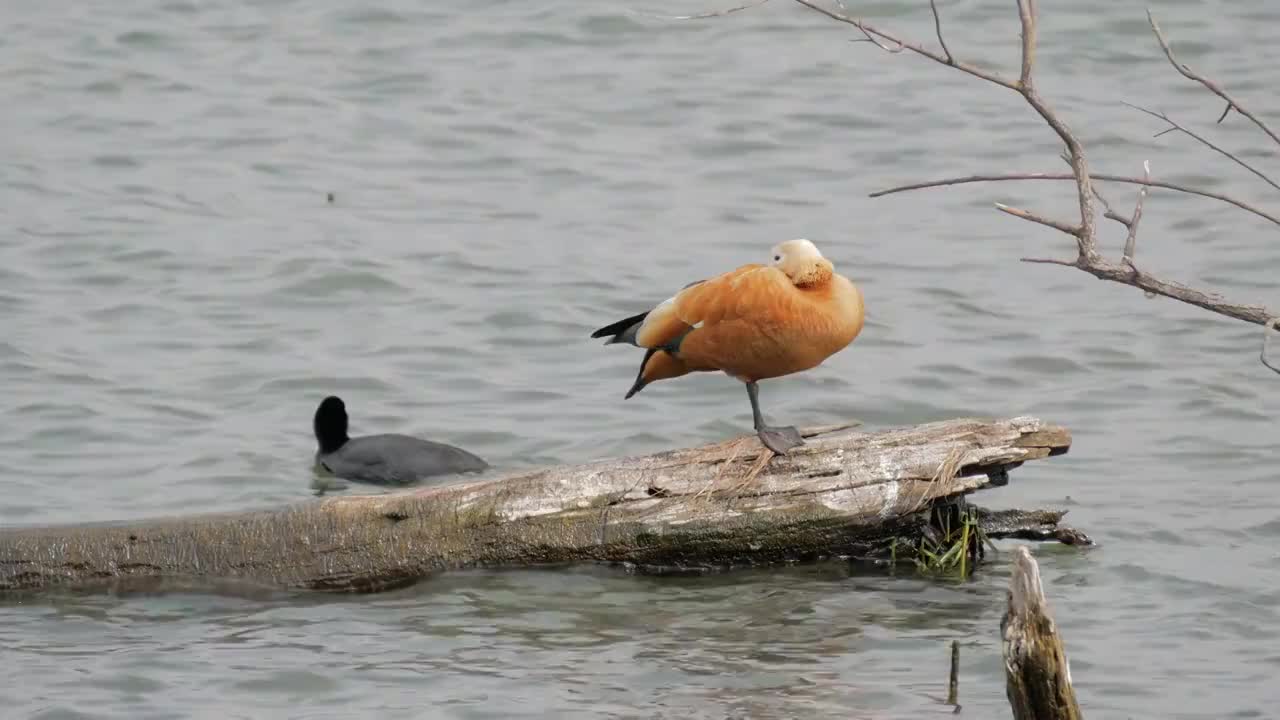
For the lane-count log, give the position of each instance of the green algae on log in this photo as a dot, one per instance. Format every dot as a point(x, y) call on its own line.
point(845, 493)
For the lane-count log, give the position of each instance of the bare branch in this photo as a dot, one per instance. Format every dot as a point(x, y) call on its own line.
point(1132, 240)
point(1027, 215)
point(937, 26)
point(1174, 126)
point(1064, 176)
point(1127, 275)
point(917, 49)
point(1085, 233)
point(1274, 324)
point(1212, 86)
point(1256, 314)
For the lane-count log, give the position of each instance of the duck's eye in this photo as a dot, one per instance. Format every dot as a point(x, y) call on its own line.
point(777, 258)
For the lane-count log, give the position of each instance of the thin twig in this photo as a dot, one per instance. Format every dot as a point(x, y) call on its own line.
point(1212, 86)
point(765, 456)
point(918, 49)
point(737, 446)
point(953, 680)
point(702, 16)
point(1132, 240)
point(1028, 215)
point(1174, 126)
point(1027, 15)
point(1273, 324)
point(941, 484)
point(871, 39)
point(1086, 235)
point(937, 26)
point(1050, 261)
point(1109, 211)
point(1064, 176)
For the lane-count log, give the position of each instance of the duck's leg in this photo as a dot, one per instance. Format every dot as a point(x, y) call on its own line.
point(777, 439)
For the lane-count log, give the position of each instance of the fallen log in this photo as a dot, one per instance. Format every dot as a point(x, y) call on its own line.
point(846, 493)
point(1037, 675)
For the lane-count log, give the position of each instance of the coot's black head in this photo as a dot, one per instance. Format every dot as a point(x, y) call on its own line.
point(330, 424)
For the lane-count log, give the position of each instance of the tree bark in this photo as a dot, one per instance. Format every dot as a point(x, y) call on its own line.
point(1037, 675)
point(844, 493)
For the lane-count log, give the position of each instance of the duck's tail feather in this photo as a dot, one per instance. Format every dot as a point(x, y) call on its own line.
point(623, 331)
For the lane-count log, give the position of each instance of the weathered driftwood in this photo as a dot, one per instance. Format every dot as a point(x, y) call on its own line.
point(845, 493)
point(1038, 677)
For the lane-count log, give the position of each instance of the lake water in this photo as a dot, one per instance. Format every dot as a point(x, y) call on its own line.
point(178, 294)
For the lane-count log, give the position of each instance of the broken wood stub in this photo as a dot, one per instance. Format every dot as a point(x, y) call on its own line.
point(1037, 674)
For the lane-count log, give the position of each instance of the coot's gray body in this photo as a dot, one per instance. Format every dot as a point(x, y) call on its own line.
point(388, 459)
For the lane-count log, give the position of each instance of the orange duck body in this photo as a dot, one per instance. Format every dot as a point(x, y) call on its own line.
point(753, 323)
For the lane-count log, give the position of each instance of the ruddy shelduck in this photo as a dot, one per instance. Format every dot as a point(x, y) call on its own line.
point(753, 323)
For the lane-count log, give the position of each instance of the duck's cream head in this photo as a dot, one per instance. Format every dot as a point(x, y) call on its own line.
point(802, 262)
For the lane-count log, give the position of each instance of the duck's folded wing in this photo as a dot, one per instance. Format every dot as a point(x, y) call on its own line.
point(701, 302)
point(750, 292)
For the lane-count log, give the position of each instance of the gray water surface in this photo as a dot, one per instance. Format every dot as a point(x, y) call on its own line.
point(178, 295)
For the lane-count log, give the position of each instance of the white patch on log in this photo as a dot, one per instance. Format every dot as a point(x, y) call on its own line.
point(890, 500)
point(856, 500)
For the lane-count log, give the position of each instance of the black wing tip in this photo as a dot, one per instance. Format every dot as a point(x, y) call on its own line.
point(640, 382)
point(619, 327)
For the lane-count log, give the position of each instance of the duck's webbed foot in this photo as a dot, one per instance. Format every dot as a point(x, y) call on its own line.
point(779, 439)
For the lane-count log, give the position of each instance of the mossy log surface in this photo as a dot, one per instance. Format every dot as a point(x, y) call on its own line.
point(1037, 675)
point(844, 493)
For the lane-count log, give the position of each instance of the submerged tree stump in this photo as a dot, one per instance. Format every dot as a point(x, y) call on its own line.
point(1038, 677)
point(844, 493)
